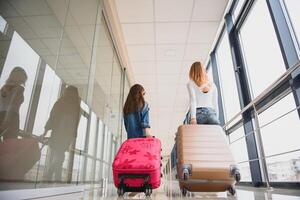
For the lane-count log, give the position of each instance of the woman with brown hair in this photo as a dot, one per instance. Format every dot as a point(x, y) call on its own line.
point(203, 96)
point(136, 113)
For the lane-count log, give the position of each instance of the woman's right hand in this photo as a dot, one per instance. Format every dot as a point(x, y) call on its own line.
point(148, 133)
point(193, 121)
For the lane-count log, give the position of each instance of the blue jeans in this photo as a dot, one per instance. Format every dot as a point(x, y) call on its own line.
point(204, 116)
point(207, 116)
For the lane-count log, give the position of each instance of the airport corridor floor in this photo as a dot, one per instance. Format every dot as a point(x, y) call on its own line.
point(243, 193)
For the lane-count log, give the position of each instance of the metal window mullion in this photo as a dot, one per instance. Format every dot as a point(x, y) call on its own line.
point(244, 97)
point(216, 77)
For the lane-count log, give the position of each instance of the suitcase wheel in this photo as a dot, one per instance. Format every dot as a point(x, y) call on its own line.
point(237, 176)
point(120, 191)
point(232, 190)
point(148, 191)
point(186, 174)
point(184, 192)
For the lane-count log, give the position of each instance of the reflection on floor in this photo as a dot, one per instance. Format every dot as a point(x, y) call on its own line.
point(243, 193)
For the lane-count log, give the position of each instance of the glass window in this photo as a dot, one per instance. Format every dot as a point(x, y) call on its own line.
point(50, 91)
point(275, 134)
point(293, 11)
point(97, 171)
point(81, 133)
point(105, 148)
point(209, 72)
point(103, 61)
point(238, 8)
point(115, 100)
point(284, 168)
point(76, 168)
point(239, 149)
point(263, 67)
point(65, 43)
point(100, 140)
point(280, 136)
point(76, 46)
point(227, 79)
point(109, 144)
point(28, 60)
point(2, 24)
point(92, 135)
point(90, 170)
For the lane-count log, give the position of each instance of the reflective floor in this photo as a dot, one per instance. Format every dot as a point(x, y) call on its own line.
point(245, 193)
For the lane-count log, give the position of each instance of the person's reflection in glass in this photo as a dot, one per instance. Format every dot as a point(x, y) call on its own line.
point(11, 99)
point(63, 122)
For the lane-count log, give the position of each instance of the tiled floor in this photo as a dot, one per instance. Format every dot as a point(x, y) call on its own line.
point(167, 191)
point(243, 193)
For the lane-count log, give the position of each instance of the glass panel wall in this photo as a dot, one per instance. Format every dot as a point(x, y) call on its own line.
point(61, 88)
point(227, 79)
point(282, 133)
point(263, 67)
point(239, 149)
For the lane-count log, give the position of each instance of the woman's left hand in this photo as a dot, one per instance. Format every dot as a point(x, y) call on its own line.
point(193, 121)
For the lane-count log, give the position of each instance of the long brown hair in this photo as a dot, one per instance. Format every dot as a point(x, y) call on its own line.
point(135, 99)
point(199, 76)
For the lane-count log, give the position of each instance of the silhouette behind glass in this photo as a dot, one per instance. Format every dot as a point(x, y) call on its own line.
point(11, 99)
point(63, 122)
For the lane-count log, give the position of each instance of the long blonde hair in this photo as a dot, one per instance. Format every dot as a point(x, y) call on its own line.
point(199, 76)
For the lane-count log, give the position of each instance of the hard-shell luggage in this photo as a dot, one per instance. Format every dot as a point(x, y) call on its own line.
point(205, 162)
point(17, 157)
point(137, 166)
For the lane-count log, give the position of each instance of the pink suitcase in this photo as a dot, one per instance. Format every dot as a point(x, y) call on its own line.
point(136, 167)
point(17, 157)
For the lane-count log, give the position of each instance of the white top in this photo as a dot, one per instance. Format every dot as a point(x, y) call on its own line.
point(200, 99)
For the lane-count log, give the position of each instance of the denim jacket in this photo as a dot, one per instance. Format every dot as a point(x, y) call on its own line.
point(136, 122)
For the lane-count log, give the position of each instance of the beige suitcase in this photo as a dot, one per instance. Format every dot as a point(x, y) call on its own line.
point(205, 162)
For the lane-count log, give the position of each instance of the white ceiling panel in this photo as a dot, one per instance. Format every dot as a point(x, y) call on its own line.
point(135, 10)
point(145, 67)
point(197, 52)
point(21, 27)
point(168, 67)
point(141, 52)
point(173, 10)
point(203, 32)
point(31, 7)
point(184, 79)
point(7, 10)
point(186, 65)
point(169, 52)
point(209, 10)
point(84, 13)
point(171, 33)
point(145, 79)
point(164, 79)
point(140, 33)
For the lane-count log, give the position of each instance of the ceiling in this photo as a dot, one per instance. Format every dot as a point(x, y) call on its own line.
point(163, 38)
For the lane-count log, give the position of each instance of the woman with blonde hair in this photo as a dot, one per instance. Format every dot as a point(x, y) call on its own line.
point(203, 96)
